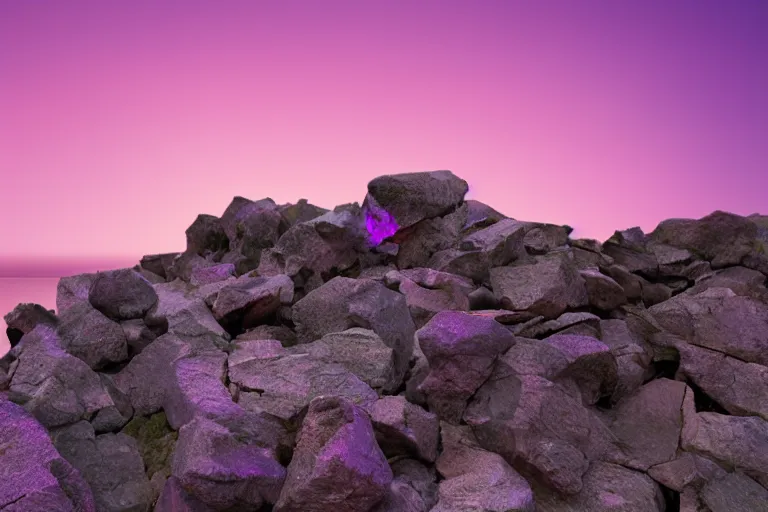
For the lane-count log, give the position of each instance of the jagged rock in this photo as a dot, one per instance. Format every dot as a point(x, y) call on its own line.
point(424, 241)
point(633, 356)
point(742, 281)
point(72, 290)
point(454, 375)
point(92, 337)
point(604, 293)
point(590, 369)
point(412, 197)
point(252, 299)
point(270, 332)
point(213, 274)
point(283, 384)
point(403, 428)
point(34, 475)
point(657, 403)
point(158, 263)
point(476, 479)
point(361, 351)
point(302, 211)
point(122, 294)
point(342, 303)
point(110, 463)
point(25, 317)
point(480, 215)
point(736, 442)
point(428, 292)
point(337, 464)
point(710, 319)
point(55, 387)
point(686, 470)
point(137, 335)
point(182, 312)
point(155, 441)
point(531, 421)
point(547, 287)
point(558, 326)
point(741, 388)
point(185, 264)
point(206, 236)
point(721, 238)
point(607, 488)
point(735, 491)
point(217, 469)
point(175, 499)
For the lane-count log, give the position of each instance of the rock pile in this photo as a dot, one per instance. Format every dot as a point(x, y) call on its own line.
point(419, 352)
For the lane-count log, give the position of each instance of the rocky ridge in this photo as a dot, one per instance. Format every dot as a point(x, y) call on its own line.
point(419, 352)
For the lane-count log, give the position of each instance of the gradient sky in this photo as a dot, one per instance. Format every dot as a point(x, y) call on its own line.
point(121, 121)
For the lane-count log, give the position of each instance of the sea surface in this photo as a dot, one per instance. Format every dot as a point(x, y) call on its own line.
point(14, 290)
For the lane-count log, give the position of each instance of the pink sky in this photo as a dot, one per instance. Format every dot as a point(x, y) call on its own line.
point(121, 121)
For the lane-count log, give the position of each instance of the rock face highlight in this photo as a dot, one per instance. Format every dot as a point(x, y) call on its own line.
point(416, 353)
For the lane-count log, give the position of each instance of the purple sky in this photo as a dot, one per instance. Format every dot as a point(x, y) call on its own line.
point(121, 121)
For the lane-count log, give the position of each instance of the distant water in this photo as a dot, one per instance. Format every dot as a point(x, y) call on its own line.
point(14, 290)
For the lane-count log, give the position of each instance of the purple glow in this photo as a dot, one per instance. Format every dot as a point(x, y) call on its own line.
point(380, 224)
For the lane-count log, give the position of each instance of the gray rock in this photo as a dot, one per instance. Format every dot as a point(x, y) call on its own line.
point(734, 491)
point(92, 337)
point(72, 290)
point(213, 274)
point(122, 294)
point(546, 288)
point(137, 335)
point(686, 470)
point(110, 463)
point(206, 236)
point(412, 197)
point(182, 312)
point(476, 479)
point(175, 499)
point(252, 298)
point(604, 293)
point(591, 368)
point(343, 303)
point(337, 464)
point(461, 350)
point(403, 428)
point(217, 469)
point(25, 317)
point(34, 475)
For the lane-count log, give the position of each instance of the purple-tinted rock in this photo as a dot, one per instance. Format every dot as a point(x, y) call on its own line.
point(220, 471)
point(110, 463)
point(122, 294)
point(206, 235)
point(461, 349)
point(405, 428)
point(337, 464)
point(591, 366)
point(33, 476)
point(252, 298)
point(412, 197)
point(175, 499)
point(72, 290)
point(25, 317)
point(213, 274)
point(92, 337)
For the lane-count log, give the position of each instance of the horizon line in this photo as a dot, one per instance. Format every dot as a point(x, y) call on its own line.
point(31, 267)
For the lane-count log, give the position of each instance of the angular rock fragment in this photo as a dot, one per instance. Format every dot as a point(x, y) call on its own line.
point(337, 464)
point(122, 294)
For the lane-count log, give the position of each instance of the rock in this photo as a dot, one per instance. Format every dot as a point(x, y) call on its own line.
point(735, 491)
point(92, 337)
point(710, 319)
point(122, 294)
point(25, 317)
point(73, 290)
point(657, 403)
point(559, 325)
point(546, 288)
point(175, 499)
point(343, 303)
point(185, 264)
point(110, 463)
point(603, 292)
point(252, 298)
point(183, 313)
point(206, 236)
point(721, 238)
point(337, 464)
point(424, 240)
point(213, 274)
point(403, 428)
point(475, 479)
point(158, 263)
point(430, 294)
point(607, 488)
point(741, 388)
point(413, 197)
point(270, 332)
point(302, 211)
point(35, 476)
point(590, 366)
point(55, 387)
point(480, 215)
point(361, 352)
point(282, 384)
point(155, 441)
point(214, 467)
point(137, 335)
point(686, 470)
point(633, 357)
point(454, 376)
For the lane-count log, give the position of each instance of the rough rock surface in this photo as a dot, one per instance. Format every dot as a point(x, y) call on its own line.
point(416, 353)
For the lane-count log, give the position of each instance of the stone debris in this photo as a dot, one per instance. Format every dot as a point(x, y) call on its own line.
point(417, 352)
